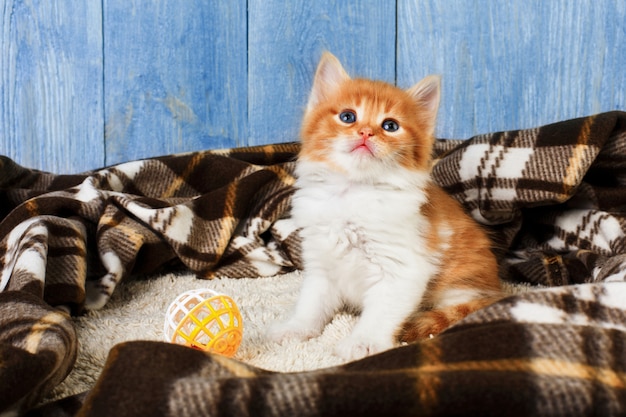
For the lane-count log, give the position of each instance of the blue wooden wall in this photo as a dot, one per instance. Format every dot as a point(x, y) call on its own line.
point(90, 83)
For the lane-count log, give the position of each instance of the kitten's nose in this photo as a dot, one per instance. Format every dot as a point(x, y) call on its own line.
point(366, 132)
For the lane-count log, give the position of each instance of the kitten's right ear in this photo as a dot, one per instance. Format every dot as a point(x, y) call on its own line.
point(328, 77)
point(427, 94)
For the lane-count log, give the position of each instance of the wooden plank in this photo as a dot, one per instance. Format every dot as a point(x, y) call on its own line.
point(51, 115)
point(175, 76)
point(515, 65)
point(286, 40)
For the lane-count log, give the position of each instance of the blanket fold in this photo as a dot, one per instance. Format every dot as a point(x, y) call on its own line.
point(552, 198)
point(498, 363)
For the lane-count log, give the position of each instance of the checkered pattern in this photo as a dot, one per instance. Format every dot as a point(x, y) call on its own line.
point(547, 353)
point(552, 198)
point(213, 212)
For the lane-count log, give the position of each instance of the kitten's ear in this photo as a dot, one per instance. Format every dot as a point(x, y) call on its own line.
point(328, 77)
point(427, 94)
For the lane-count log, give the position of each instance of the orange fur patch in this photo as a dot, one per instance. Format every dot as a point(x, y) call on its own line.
point(378, 101)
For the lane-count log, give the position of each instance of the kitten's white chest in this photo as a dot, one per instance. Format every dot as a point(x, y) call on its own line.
point(360, 234)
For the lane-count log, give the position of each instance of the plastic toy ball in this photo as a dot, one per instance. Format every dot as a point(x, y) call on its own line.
point(206, 320)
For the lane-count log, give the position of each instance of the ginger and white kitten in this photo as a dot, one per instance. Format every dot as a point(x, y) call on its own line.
point(377, 233)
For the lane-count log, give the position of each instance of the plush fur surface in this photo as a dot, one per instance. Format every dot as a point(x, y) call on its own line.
point(137, 309)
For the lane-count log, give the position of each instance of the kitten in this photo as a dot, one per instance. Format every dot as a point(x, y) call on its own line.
point(377, 233)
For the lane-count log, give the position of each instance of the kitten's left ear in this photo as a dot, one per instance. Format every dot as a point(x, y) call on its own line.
point(427, 94)
point(328, 77)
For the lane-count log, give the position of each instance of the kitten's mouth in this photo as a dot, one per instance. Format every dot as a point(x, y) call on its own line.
point(362, 148)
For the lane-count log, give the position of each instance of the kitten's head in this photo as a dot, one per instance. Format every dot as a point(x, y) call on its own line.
point(361, 127)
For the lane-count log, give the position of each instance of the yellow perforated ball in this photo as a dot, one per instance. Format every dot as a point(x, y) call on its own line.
point(206, 320)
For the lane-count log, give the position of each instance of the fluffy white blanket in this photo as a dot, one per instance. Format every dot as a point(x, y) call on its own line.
point(137, 308)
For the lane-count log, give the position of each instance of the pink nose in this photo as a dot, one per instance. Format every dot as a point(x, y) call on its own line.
point(365, 133)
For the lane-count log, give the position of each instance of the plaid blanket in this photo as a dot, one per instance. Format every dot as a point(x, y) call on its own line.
point(553, 199)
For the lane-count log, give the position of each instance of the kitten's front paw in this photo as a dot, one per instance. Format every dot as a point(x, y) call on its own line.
point(353, 348)
point(291, 330)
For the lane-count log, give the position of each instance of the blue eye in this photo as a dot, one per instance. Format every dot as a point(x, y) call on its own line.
point(347, 116)
point(390, 125)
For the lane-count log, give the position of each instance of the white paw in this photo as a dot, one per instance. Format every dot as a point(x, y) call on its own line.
point(352, 348)
point(290, 330)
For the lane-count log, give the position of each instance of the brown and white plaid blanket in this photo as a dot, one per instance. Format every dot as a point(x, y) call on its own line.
point(553, 198)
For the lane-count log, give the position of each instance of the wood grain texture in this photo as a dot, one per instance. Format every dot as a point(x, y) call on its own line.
point(84, 84)
point(51, 115)
point(175, 76)
point(286, 40)
point(508, 65)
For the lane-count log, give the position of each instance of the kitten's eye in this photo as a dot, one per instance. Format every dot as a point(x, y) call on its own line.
point(347, 116)
point(390, 125)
